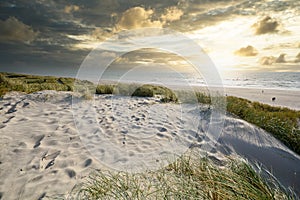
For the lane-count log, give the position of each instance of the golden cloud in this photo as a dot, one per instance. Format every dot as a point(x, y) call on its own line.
point(297, 58)
point(247, 51)
point(171, 14)
point(269, 60)
point(14, 30)
point(281, 58)
point(71, 8)
point(266, 25)
point(137, 17)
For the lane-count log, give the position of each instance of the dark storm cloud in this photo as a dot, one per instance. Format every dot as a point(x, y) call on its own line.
point(14, 30)
point(51, 46)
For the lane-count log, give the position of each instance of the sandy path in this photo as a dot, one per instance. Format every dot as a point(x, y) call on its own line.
point(40, 151)
point(43, 155)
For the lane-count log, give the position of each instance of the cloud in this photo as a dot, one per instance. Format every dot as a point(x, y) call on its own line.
point(269, 60)
point(137, 17)
point(281, 58)
point(101, 34)
point(247, 51)
point(14, 30)
point(266, 25)
point(297, 58)
point(171, 14)
point(71, 8)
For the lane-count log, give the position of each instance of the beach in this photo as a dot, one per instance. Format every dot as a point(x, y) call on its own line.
point(44, 153)
point(283, 98)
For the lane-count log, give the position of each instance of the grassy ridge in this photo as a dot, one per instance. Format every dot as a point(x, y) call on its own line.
point(146, 90)
point(283, 123)
point(30, 83)
point(184, 179)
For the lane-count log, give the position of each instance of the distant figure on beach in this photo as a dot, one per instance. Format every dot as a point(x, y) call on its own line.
point(273, 99)
point(262, 91)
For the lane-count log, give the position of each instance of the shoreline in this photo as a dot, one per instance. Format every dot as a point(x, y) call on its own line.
point(284, 98)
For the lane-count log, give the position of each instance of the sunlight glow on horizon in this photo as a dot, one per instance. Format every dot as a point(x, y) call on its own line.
point(220, 41)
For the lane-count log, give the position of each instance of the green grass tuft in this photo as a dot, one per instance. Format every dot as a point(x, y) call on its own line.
point(184, 179)
point(137, 90)
point(30, 83)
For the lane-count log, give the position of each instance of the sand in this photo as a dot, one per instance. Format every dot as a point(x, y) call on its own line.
point(284, 98)
point(48, 145)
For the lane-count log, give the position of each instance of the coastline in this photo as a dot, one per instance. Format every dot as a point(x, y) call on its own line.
point(284, 98)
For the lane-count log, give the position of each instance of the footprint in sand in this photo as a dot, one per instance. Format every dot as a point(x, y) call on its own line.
point(87, 163)
point(42, 196)
point(48, 160)
point(162, 129)
point(38, 141)
point(23, 119)
point(13, 108)
point(25, 104)
point(70, 172)
point(8, 120)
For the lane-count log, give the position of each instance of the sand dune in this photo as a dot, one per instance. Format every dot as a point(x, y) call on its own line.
point(44, 152)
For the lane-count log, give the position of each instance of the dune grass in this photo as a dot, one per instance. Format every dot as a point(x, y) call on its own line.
point(186, 178)
point(137, 90)
point(283, 123)
point(30, 83)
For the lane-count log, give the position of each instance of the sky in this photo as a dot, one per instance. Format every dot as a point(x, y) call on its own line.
point(54, 37)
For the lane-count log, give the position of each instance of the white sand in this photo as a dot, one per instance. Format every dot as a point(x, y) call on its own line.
point(284, 98)
point(43, 155)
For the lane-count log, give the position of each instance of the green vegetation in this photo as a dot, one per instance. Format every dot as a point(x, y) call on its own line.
point(186, 178)
point(137, 90)
point(30, 83)
point(105, 89)
point(283, 123)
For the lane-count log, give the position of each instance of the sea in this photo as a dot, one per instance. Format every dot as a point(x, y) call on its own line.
point(258, 80)
point(268, 80)
point(240, 79)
